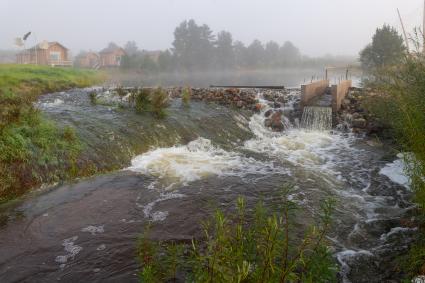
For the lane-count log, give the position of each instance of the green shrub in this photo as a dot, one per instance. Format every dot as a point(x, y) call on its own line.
point(141, 99)
point(398, 101)
point(159, 101)
point(93, 97)
point(121, 91)
point(245, 247)
point(186, 95)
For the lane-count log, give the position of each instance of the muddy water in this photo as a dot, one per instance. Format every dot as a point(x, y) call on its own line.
point(200, 158)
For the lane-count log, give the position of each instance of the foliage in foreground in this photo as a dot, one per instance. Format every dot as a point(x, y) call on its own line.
point(244, 247)
point(33, 150)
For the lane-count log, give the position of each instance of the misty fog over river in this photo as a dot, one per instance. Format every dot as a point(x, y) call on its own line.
point(292, 77)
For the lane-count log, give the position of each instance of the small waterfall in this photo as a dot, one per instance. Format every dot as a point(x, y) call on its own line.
point(317, 118)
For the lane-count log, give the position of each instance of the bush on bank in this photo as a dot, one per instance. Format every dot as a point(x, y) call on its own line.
point(245, 247)
point(33, 150)
point(397, 99)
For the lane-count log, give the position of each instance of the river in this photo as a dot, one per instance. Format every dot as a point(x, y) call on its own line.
point(175, 172)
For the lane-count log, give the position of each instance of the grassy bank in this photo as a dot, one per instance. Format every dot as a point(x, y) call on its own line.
point(33, 150)
point(397, 100)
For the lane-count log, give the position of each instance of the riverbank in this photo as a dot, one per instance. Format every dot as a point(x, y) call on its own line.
point(33, 150)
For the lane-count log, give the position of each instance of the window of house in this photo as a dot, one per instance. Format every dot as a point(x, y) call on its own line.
point(55, 56)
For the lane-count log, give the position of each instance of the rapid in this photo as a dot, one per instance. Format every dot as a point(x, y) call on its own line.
point(173, 173)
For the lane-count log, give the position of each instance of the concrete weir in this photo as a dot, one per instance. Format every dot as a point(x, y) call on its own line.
point(316, 93)
point(339, 92)
point(310, 91)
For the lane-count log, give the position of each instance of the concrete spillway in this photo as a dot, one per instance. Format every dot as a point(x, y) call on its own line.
point(319, 92)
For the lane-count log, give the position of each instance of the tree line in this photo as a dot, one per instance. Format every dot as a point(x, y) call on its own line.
point(196, 47)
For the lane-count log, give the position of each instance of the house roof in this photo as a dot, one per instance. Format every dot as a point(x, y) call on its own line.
point(110, 49)
point(86, 53)
point(40, 46)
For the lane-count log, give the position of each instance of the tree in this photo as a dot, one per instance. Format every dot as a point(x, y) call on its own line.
point(165, 61)
point(131, 48)
point(240, 54)
point(386, 49)
point(289, 54)
point(225, 55)
point(193, 45)
point(148, 64)
point(255, 54)
point(271, 53)
point(112, 45)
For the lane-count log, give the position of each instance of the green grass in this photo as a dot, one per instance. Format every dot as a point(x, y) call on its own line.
point(33, 150)
point(245, 246)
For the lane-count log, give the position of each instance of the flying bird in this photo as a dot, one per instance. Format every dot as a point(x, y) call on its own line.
point(26, 35)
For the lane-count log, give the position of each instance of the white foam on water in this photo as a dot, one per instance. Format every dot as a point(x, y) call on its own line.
point(101, 247)
point(194, 161)
point(51, 104)
point(419, 279)
point(396, 171)
point(71, 249)
point(159, 215)
point(317, 150)
point(343, 258)
point(93, 229)
point(397, 230)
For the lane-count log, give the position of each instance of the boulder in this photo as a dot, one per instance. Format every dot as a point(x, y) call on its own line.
point(258, 107)
point(268, 113)
point(276, 122)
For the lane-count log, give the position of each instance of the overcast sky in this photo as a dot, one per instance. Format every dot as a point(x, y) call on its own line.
point(317, 27)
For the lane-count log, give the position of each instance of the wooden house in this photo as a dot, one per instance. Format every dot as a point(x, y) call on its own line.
point(45, 53)
point(111, 56)
point(89, 60)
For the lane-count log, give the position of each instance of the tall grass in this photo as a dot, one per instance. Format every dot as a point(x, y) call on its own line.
point(257, 246)
point(33, 150)
point(398, 101)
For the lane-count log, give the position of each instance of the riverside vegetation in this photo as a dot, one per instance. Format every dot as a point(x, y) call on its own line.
point(245, 246)
point(33, 150)
point(397, 100)
point(143, 100)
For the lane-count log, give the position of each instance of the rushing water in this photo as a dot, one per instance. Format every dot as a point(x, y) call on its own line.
point(317, 118)
point(178, 170)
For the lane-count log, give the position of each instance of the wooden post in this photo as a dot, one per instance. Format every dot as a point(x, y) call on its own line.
point(404, 31)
